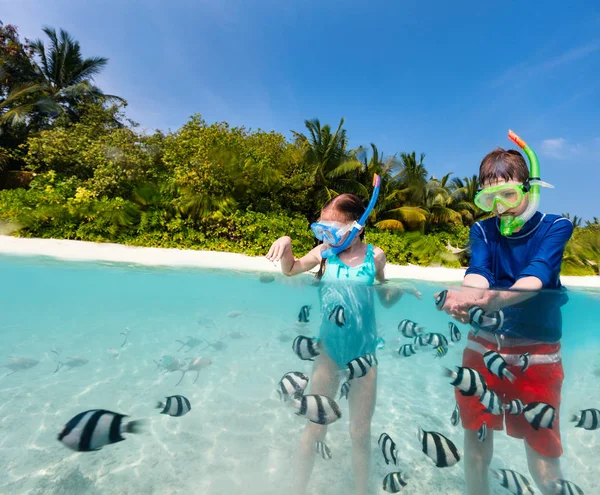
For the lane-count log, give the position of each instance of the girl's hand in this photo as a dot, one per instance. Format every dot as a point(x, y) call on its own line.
point(279, 248)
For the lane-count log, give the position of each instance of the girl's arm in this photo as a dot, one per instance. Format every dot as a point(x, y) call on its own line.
point(388, 295)
point(281, 250)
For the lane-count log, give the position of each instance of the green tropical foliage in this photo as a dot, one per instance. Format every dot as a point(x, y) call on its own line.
point(207, 185)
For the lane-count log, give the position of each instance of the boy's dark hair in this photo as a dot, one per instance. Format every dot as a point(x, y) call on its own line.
point(348, 208)
point(502, 164)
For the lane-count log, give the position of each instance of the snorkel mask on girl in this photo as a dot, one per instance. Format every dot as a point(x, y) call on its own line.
point(506, 196)
point(338, 236)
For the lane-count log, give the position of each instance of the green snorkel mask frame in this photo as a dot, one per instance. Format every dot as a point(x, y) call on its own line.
point(510, 223)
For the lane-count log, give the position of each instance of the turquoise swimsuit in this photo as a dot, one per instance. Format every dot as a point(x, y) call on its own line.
point(352, 289)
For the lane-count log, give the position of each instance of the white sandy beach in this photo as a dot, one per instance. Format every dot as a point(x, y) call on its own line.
point(118, 253)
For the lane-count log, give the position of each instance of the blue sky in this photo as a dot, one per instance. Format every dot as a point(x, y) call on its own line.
point(445, 78)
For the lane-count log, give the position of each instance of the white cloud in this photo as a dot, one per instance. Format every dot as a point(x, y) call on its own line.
point(554, 148)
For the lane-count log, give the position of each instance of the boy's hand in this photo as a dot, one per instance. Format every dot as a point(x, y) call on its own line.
point(279, 248)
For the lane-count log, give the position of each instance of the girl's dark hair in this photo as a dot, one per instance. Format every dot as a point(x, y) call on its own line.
point(344, 208)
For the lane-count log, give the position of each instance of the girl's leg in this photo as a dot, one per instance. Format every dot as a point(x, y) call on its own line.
point(362, 398)
point(477, 459)
point(543, 469)
point(324, 381)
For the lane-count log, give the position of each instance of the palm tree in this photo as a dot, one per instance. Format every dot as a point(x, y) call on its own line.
point(62, 80)
point(463, 199)
point(438, 202)
point(576, 220)
point(334, 166)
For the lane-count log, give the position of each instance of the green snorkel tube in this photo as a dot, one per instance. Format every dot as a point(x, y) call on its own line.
point(509, 223)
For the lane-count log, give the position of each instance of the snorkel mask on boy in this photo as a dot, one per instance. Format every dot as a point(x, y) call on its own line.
point(337, 236)
point(506, 196)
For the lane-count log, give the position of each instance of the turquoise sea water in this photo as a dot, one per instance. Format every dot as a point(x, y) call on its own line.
point(238, 438)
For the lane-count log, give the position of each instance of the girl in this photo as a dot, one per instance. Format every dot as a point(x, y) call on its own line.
point(346, 278)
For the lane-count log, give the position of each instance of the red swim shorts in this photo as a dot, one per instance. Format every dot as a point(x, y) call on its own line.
point(540, 383)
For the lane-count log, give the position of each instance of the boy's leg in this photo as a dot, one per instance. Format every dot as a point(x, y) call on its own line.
point(324, 381)
point(477, 459)
point(362, 398)
point(543, 469)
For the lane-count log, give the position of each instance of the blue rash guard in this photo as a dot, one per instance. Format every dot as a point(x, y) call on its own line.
point(536, 250)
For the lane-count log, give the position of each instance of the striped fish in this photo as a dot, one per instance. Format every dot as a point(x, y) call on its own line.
point(482, 433)
point(176, 405)
point(338, 315)
point(491, 402)
point(305, 348)
point(438, 448)
point(408, 350)
point(441, 351)
point(394, 482)
point(515, 407)
point(437, 339)
point(496, 364)
point(539, 415)
point(318, 409)
point(323, 450)
point(91, 430)
point(304, 314)
point(455, 334)
point(514, 482)
point(524, 360)
point(360, 366)
point(480, 320)
point(409, 328)
point(455, 418)
point(440, 299)
point(345, 390)
point(589, 419)
point(564, 487)
point(469, 381)
point(388, 448)
point(290, 383)
point(421, 340)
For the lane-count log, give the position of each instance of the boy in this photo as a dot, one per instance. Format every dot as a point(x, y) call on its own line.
point(520, 248)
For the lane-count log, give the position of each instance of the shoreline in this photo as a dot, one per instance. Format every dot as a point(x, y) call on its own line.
point(90, 251)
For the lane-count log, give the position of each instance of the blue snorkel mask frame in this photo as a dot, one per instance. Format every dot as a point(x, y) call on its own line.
point(333, 236)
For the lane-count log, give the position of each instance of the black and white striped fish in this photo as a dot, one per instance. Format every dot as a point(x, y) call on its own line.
point(422, 340)
point(318, 409)
point(482, 432)
point(175, 405)
point(438, 448)
point(409, 328)
point(388, 448)
point(290, 383)
point(323, 450)
point(514, 482)
point(345, 390)
point(564, 487)
point(491, 402)
point(589, 419)
point(394, 482)
point(304, 314)
point(437, 339)
point(360, 366)
point(306, 348)
point(469, 381)
point(496, 364)
point(455, 418)
point(338, 315)
point(480, 320)
point(455, 334)
point(408, 350)
point(515, 407)
point(441, 299)
point(93, 429)
point(539, 415)
point(524, 360)
point(441, 351)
